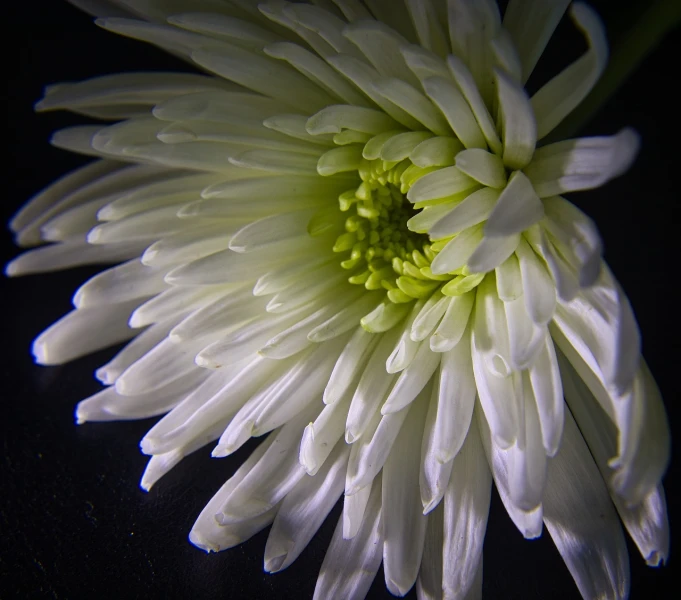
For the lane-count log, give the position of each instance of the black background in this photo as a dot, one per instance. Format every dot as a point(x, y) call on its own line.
point(73, 522)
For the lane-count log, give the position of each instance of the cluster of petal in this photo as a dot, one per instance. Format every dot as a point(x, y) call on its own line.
point(501, 350)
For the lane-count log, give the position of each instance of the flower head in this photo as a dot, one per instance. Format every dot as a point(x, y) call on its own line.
point(350, 237)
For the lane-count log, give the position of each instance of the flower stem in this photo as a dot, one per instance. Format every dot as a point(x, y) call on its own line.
point(637, 38)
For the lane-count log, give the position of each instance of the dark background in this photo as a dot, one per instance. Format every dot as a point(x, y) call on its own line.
point(73, 522)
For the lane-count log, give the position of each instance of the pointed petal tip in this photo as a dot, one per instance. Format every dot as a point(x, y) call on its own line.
point(197, 540)
point(657, 558)
point(398, 588)
point(40, 352)
point(221, 451)
point(430, 505)
point(147, 445)
point(12, 268)
point(275, 558)
point(80, 415)
point(626, 150)
point(273, 565)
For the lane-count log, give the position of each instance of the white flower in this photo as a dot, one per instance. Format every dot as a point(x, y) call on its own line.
point(349, 238)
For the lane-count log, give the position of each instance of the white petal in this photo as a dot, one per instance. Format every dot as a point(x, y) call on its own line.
point(271, 478)
point(483, 166)
point(497, 398)
point(466, 507)
point(519, 128)
point(548, 393)
point(208, 534)
point(560, 96)
point(364, 76)
point(354, 507)
point(458, 251)
point(247, 338)
point(350, 566)
point(453, 323)
point(217, 315)
point(71, 253)
point(439, 184)
point(447, 97)
point(175, 303)
point(576, 237)
point(333, 119)
point(371, 451)
point(208, 407)
point(371, 389)
point(412, 380)
point(456, 399)
point(582, 520)
point(320, 436)
point(427, 25)
point(563, 274)
point(646, 522)
point(189, 245)
point(133, 351)
point(524, 336)
point(539, 292)
point(264, 75)
point(340, 160)
point(429, 317)
point(301, 387)
point(164, 363)
point(237, 31)
point(469, 89)
point(409, 99)
point(344, 319)
point(434, 474)
point(108, 405)
point(350, 362)
point(160, 464)
point(509, 283)
point(148, 226)
point(380, 45)
point(275, 161)
point(473, 210)
point(429, 583)
point(293, 126)
point(644, 443)
point(384, 317)
point(228, 266)
point(528, 523)
point(82, 332)
point(436, 152)
point(472, 25)
point(518, 208)
point(491, 252)
point(527, 457)
point(404, 527)
point(583, 163)
point(423, 62)
point(46, 204)
point(531, 24)
point(303, 511)
point(605, 324)
point(219, 107)
point(400, 146)
point(73, 222)
point(317, 71)
point(125, 282)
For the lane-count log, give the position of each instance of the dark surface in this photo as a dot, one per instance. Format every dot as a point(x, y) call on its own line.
point(73, 522)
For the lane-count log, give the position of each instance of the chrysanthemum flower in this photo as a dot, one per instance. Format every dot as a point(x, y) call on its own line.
point(349, 236)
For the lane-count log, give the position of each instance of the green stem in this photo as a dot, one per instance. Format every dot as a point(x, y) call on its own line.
point(645, 31)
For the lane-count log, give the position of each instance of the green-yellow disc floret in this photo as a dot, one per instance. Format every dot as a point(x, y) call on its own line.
point(380, 249)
